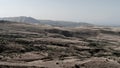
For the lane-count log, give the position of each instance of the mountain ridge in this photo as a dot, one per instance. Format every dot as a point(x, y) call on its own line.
point(48, 22)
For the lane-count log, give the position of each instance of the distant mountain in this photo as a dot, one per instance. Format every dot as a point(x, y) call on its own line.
point(48, 22)
point(21, 19)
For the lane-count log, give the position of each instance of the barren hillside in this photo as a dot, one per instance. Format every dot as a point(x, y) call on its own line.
point(24, 45)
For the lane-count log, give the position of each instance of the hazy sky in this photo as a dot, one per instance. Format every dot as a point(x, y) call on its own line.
point(93, 11)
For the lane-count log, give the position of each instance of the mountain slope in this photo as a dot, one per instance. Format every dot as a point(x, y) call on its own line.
point(24, 45)
point(48, 22)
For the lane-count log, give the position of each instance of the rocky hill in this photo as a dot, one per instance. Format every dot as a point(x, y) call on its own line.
point(26, 45)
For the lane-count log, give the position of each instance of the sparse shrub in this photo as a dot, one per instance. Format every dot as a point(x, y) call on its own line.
point(77, 66)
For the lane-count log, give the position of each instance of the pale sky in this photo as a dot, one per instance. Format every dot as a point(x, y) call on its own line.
point(91, 11)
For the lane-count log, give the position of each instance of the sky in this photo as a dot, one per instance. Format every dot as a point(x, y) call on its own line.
point(92, 11)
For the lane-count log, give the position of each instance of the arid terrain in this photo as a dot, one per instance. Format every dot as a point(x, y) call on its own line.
point(25, 45)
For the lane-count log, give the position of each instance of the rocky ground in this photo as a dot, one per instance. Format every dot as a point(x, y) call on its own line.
point(42, 46)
